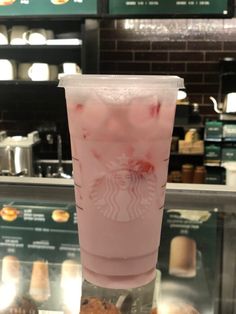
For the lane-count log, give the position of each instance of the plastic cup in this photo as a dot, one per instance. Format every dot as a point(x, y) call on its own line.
point(120, 129)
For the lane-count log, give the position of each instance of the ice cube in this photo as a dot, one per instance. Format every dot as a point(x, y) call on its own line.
point(143, 110)
point(95, 113)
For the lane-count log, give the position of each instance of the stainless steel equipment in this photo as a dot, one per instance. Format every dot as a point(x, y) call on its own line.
point(225, 104)
point(16, 154)
point(228, 106)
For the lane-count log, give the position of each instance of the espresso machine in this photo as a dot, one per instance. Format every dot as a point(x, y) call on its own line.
point(16, 154)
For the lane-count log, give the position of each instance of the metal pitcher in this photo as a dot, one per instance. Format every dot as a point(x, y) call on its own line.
point(228, 106)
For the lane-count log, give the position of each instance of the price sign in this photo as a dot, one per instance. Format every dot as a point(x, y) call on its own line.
point(171, 7)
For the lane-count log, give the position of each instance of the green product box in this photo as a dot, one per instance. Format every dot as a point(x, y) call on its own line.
point(212, 153)
point(213, 130)
point(228, 154)
point(229, 132)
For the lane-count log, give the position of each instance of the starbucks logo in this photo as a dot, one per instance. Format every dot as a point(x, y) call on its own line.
point(126, 191)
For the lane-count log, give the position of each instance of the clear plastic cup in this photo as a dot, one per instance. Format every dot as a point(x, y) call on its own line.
point(120, 129)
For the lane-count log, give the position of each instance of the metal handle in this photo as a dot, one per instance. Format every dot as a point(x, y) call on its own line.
point(10, 159)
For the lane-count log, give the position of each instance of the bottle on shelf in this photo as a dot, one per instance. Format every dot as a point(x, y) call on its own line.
point(195, 117)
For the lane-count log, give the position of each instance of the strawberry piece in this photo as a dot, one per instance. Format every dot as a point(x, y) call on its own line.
point(141, 166)
point(96, 154)
point(154, 110)
point(79, 107)
point(143, 110)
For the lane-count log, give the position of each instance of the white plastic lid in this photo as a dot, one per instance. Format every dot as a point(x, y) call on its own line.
point(149, 81)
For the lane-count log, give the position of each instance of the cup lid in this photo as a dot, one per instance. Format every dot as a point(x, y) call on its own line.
point(152, 81)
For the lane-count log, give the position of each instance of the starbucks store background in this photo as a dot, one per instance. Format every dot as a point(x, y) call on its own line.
point(38, 221)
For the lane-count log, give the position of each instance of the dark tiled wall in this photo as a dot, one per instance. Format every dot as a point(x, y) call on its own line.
point(188, 48)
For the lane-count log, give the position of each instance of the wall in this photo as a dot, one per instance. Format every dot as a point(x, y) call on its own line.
point(190, 48)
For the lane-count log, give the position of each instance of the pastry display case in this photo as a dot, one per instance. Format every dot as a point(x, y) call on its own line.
point(40, 267)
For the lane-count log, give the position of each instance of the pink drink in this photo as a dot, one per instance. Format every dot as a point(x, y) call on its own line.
point(120, 129)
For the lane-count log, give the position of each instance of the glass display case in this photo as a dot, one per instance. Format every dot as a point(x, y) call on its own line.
point(40, 255)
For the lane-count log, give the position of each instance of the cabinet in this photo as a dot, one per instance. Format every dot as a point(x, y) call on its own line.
point(40, 105)
point(205, 214)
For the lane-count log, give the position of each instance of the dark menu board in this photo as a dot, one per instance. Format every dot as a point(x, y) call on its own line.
point(47, 7)
point(170, 7)
point(189, 260)
point(37, 230)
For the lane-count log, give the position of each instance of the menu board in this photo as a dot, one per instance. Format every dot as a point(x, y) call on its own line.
point(189, 260)
point(47, 7)
point(171, 7)
point(38, 230)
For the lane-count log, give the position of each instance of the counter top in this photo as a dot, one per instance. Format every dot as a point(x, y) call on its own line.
point(178, 195)
point(70, 182)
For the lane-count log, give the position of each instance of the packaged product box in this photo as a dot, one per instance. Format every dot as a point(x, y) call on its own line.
point(212, 154)
point(215, 175)
point(229, 131)
point(213, 130)
point(228, 154)
point(191, 147)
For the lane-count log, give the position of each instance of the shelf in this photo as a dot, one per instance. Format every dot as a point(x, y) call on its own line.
point(189, 126)
point(221, 140)
point(228, 140)
point(215, 140)
point(186, 154)
point(28, 83)
point(208, 164)
point(40, 47)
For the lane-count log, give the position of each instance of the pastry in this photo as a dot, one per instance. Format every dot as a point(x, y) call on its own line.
point(21, 305)
point(9, 213)
point(96, 306)
point(7, 2)
point(59, 1)
point(177, 308)
point(60, 215)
